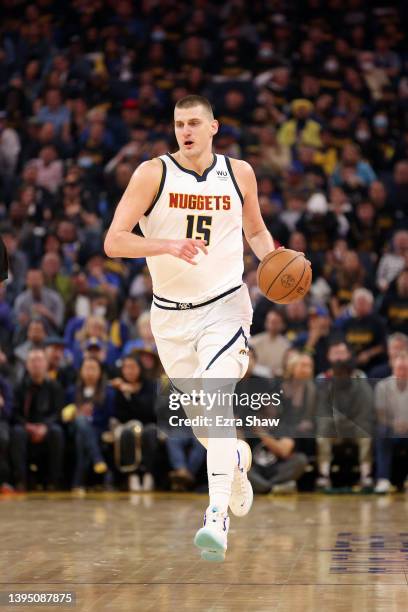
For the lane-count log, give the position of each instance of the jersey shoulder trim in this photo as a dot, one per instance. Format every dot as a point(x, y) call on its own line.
point(200, 178)
point(160, 189)
point(234, 180)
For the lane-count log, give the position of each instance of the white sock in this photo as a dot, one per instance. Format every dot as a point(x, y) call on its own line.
point(324, 468)
point(222, 451)
point(221, 461)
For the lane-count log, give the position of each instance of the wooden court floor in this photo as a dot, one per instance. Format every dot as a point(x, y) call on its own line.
point(293, 553)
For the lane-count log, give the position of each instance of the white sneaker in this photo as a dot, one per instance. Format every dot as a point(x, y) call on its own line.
point(134, 483)
point(212, 537)
point(323, 482)
point(242, 495)
point(148, 482)
point(383, 486)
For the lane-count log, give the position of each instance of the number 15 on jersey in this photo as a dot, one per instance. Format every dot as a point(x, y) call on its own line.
point(199, 227)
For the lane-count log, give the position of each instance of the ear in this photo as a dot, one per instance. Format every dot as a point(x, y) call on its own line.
point(214, 127)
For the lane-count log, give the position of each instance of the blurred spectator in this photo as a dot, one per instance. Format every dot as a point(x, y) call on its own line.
point(130, 315)
point(271, 345)
point(54, 111)
point(40, 301)
point(364, 232)
point(301, 129)
point(318, 224)
point(36, 415)
point(60, 366)
point(383, 208)
point(36, 334)
point(391, 403)
point(391, 263)
point(89, 412)
point(394, 307)
point(9, 148)
point(344, 412)
point(299, 396)
point(49, 169)
point(135, 431)
point(54, 278)
point(397, 343)
point(316, 341)
point(353, 174)
point(364, 331)
point(348, 274)
point(296, 320)
point(275, 464)
point(93, 334)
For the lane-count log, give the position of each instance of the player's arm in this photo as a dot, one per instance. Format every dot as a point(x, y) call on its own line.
point(256, 233)
point(137, 198)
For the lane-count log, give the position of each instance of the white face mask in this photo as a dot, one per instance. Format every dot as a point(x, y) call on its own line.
point(100, 311)
point(82, 307)
point(331, 66)
point(89, 392)
point(362, 135)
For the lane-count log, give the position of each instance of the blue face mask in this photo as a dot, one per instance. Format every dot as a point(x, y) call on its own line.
point(380, 121)
point(85, 162)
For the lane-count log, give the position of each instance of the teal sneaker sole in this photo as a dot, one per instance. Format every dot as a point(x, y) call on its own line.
point(211, 547)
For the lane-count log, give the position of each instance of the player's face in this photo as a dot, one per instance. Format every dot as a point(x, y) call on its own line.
point(194, 129)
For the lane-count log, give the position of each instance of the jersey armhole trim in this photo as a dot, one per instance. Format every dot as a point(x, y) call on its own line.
point(234, 180)
point(160, 189)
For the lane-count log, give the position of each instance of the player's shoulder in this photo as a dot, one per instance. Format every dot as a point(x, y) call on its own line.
point(150, 169)
point(241, 168)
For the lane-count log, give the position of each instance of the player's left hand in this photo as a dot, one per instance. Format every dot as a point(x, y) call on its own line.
point(187, 249)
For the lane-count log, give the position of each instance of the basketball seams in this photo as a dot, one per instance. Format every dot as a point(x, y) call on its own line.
point(266, 260)
point(297, 284)
point(281, 271)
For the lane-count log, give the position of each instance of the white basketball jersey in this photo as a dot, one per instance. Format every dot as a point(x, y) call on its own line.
point(207, 207)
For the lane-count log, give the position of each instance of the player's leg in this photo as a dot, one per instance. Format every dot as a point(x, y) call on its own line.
point(224, 359)
point(222, 365)
point(221, 458)
point(175, 343)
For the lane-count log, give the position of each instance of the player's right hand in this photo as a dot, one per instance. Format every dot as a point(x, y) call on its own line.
point(187, 249)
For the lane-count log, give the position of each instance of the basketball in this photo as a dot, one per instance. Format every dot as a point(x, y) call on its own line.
point(284, 276)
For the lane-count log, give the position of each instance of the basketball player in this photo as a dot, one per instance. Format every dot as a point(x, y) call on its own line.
point(192, 207)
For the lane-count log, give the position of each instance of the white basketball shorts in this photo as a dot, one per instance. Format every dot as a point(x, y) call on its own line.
point(192, 341)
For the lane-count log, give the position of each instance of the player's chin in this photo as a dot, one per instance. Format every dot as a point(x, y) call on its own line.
point(189, 149)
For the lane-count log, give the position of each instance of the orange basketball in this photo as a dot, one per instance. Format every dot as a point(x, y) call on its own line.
point(284, 276)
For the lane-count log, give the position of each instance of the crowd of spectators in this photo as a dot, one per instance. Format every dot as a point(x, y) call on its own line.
point(314, 95)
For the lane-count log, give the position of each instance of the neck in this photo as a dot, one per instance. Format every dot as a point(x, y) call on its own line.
point(38, 380)
point(198, 163)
